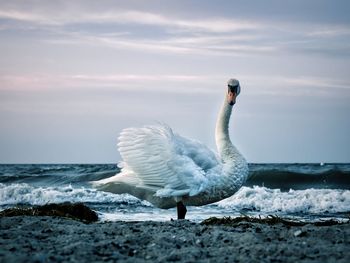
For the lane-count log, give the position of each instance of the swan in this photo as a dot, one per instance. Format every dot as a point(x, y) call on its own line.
point(169, 170)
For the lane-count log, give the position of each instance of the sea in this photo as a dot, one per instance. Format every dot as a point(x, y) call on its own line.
point(306, 192)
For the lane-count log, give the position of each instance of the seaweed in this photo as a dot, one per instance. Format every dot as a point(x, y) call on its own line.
point(76, 211)
point(269, 220)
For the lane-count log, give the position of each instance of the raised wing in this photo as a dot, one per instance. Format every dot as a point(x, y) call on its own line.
point(166, 163)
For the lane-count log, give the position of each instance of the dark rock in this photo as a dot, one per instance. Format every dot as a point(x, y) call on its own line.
point(173, 257)
point(131, 252)
point(48, 230)
point(76, 211)
point(269, 220)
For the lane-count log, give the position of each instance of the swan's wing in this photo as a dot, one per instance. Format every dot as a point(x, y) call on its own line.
point(168, 164)
point(201, 155)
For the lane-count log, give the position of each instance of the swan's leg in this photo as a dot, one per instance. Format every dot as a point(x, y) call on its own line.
point(181, 210)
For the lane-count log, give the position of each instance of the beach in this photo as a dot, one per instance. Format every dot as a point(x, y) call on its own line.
point(57, 239)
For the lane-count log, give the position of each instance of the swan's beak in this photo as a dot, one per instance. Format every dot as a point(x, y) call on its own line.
point(231, 97)
point(233, 91)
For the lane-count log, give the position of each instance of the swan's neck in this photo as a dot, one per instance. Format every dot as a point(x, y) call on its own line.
point(225, 147)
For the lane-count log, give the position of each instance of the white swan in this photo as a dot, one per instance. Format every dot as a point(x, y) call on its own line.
point(169, 170)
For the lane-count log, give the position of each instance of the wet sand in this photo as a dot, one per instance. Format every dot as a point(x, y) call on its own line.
point(54, 239)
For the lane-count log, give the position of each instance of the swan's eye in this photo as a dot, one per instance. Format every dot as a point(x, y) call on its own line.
point(232, 88)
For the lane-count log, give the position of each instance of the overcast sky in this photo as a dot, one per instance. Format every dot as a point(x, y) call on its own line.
point(73, 74)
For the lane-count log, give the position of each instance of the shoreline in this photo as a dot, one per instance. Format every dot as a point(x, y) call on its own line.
point(56, 239)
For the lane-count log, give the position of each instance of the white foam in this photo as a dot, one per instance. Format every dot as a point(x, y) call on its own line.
point(259, 199)
point(26, 194)
point(295, 201)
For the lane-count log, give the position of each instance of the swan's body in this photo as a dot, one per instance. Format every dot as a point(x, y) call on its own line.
point(165, 168)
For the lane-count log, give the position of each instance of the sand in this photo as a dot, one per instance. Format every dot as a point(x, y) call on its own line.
point(54, 239)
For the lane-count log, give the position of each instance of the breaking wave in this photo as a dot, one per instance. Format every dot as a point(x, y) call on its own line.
point(266, 200)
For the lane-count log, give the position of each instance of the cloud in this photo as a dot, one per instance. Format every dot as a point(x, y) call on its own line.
point(228, 46)
point(295, 86)
point(122, 82)
point(206, 36)
point(316, 82)
point(55, 17)
point(22, 16)
point(330, 31)
point(204, 84)
point(218, 36)
point(183, 39)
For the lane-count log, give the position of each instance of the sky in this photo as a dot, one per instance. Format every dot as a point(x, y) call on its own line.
point(73, 74)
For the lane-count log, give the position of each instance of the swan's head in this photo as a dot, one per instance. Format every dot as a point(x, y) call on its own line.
point(233, 89)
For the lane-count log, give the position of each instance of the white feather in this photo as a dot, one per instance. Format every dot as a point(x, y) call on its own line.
point(172, 164)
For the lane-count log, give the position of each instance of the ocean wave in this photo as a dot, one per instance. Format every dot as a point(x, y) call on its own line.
point(268, 200)
point(277, 176)
point(300, 176)
point(22, 193)
point(55, 174)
